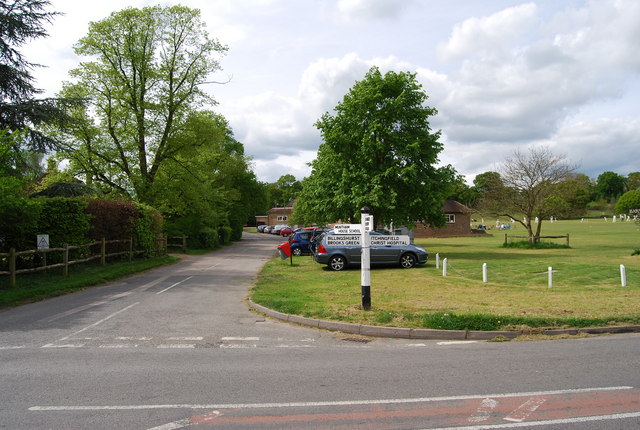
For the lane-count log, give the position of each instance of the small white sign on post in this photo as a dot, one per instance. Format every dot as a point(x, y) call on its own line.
point(43, 241)
point(347, 229)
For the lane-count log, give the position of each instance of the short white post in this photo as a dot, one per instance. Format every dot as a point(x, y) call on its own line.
point(484, 273)
point(623, 275)
point(437, 261)
point(550, 277)
point(444, 267)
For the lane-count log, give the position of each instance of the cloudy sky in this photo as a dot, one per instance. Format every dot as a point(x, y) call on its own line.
point(502, 74)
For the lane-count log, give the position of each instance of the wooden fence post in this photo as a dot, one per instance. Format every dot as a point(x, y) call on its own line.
point(65, 260)
point(12, 266)
point(184, 243)
point(505, 239)
point(130, 249)
point(567, 240)
point(103, 252)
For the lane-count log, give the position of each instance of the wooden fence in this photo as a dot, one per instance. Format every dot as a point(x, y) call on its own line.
point(506, 238)
point(13, 256)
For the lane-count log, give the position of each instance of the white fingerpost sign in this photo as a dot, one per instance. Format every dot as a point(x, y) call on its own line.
point(365, 263)
point(42, 241)
point(347, 229)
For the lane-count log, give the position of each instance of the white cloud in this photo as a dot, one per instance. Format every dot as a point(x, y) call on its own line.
point(488, 36)
point(561, 73)
point(357, 10)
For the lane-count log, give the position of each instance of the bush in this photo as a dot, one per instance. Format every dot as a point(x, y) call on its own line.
point(225, 233)
point(205, 239)
point(148, 227)
point(19, 217)
point(65, 220)
point(112, 219)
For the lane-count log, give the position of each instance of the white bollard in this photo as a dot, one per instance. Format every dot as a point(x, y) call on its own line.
point(623, 275)
point(437, 261)
point(550, 277)
point(484, 273)
point(444, 267)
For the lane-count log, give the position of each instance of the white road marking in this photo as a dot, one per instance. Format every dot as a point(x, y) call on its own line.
point(174, 285)
point(118, 345)
point(484, 411)
point(186, 338)
point(241, 338)
point(415, 344)
point(174, 425)
point(177, 345)
point(101, 321)
point(12, 347)
point(68, 345)
point(457, 342)
point(132, 338)
point(545, 423)
point(525, 409)
point(238, 345)
point(336, 403)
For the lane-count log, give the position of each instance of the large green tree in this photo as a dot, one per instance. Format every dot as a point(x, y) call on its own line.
point(610, 185)
point(142, 79)
point(379, 151)
point(208, 182)
point(284, 190)
point(20, 22)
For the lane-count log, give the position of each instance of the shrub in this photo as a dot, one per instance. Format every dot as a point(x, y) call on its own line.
point(224, 233)
point(18, 217)
point(148, 227)
point(65, 220)
point(205, 239)
point(112, 219)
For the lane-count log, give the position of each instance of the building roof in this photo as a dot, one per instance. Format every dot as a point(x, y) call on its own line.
point(454, 207)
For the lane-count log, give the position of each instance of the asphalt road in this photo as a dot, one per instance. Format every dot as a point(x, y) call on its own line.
point(178, 348)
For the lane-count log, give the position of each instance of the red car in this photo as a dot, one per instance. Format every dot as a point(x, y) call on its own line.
point(286, 231)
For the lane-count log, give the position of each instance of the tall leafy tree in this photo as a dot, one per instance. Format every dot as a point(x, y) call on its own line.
point(610, 185)
point(142, 81)
point(208, 182)
point(633, 181)
point(20, 22)
point(379, 151)
point(284, 190)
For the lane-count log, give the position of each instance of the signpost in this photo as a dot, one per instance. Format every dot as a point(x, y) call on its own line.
point(365, 263)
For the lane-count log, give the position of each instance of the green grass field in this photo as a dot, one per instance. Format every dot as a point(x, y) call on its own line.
point(586, 289)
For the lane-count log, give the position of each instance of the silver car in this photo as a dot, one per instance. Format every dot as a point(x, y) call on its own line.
point(338, 254)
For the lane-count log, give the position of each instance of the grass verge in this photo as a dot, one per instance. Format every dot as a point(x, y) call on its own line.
point(586, 287)
point(35, 287)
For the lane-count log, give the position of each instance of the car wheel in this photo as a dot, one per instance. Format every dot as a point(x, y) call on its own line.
point(407, 260)
point(337, 263)
point(297, 252)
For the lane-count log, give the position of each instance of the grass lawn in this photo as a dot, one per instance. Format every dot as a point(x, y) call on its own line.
point(586, 283)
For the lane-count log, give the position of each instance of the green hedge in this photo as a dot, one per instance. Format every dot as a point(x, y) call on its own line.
point(75, 221)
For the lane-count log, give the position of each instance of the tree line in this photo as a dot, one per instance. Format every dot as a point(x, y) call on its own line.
point(131, 124)
point(134, 123)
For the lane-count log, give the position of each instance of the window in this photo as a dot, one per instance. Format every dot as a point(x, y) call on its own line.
point(451, 218)
point(282, 217)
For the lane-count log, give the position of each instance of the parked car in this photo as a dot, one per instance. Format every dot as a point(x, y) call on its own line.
point(260, 228)
point(301, 242)
point(286, 231)
point(338, 257)
point(276, 228)
point(267, 229)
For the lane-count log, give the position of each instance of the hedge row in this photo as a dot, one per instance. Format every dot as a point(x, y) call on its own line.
point(76, 221)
